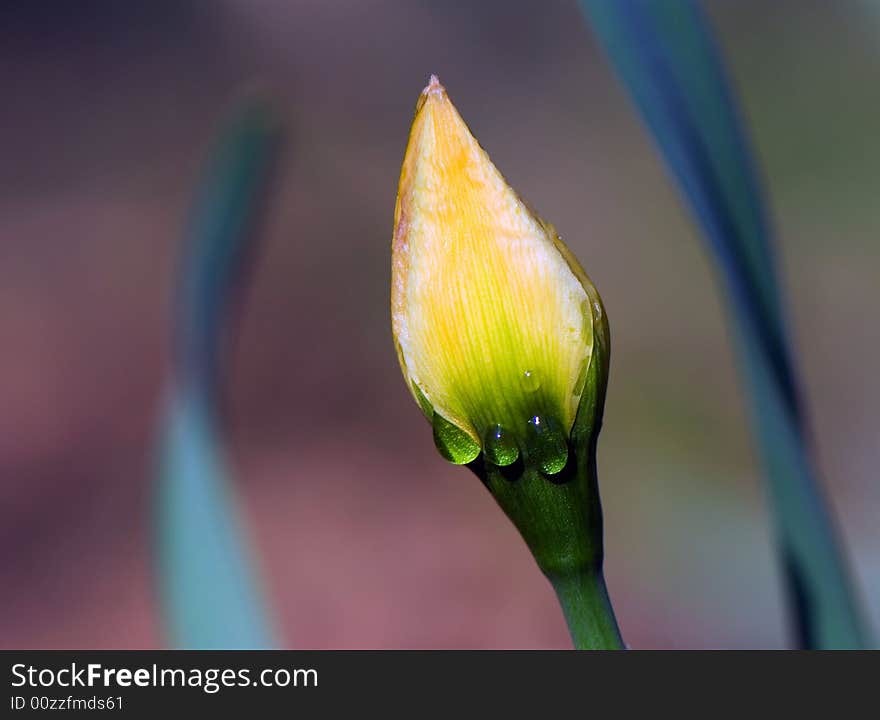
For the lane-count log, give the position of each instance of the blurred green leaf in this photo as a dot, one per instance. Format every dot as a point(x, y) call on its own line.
point(665, 53)
point(209, 587)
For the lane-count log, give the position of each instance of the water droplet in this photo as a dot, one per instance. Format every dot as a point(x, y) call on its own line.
point(530, 381)
point(452, 442)
point(500, 447)
point(546, 444)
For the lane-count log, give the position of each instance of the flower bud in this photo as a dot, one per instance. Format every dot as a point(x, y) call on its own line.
point(494, 321)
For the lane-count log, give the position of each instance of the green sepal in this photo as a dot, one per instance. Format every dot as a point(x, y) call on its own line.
point(559, 515)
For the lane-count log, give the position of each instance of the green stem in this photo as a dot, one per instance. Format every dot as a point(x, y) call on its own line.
point(561, 522)
point(587, 608)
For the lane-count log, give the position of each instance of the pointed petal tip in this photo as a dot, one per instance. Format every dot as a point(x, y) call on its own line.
point(433, 86)
point(433, 91)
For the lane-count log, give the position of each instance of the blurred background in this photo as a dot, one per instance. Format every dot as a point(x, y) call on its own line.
point(366, 538)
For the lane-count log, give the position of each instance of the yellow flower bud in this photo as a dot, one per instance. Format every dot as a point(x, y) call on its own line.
point(494, 321)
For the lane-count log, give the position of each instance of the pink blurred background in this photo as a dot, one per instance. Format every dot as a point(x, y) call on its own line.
point(366, 537)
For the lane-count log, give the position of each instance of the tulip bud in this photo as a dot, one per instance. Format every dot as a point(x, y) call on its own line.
point(494, 321)
point(504, 344)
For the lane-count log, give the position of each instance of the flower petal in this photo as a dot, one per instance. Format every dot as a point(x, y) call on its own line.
point(492, 316)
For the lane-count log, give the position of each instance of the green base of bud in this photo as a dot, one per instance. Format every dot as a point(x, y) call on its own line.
point(559, 515)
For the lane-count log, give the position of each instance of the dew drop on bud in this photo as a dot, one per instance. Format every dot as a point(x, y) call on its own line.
point(546, 447)
point(530, 381)
point(500, 448)
point(452, 442)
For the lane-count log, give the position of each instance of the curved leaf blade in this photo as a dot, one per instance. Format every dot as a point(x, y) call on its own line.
point(210, 591)
point(665, 54)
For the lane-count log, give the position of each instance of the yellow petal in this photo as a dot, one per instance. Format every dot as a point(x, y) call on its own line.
point(492, 316)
